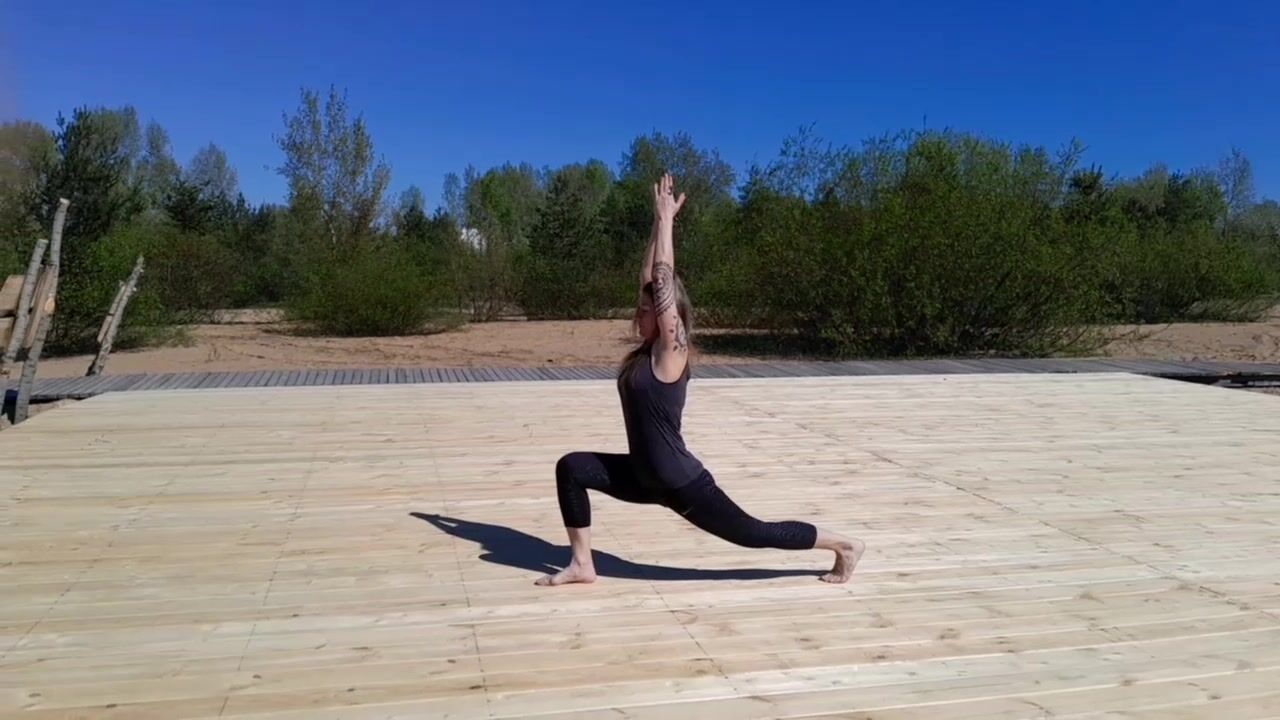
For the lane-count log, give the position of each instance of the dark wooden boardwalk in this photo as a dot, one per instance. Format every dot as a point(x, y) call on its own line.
point(84, 387)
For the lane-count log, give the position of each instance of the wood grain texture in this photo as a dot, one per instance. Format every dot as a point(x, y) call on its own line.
point(1039, 545)
point(10, 293)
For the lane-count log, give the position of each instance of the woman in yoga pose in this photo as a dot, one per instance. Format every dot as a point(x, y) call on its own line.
point(659, 469)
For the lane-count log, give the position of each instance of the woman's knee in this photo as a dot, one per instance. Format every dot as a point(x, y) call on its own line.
point(571, 467)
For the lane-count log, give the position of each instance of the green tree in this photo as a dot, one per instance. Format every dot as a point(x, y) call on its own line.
point(410, 218)
point(189, 209)
point(567, 272)
point(94, 167)
point(335, 180)
point(499, 209)
point(700, 173)
point(156, 171)
point(210, 171)
point(1235, 178)
point(25, 147)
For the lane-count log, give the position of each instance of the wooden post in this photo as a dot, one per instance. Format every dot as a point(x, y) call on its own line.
point(111, 323)
point(55, 245)
point(24, 307)
point(28, 380)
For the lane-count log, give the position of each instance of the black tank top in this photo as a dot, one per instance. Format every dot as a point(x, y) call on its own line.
point(652, 410)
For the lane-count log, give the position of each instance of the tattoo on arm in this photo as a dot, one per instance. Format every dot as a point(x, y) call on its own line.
point(664, 288)
point(682, 336)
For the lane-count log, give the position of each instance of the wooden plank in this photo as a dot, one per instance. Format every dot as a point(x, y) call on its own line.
point(240, 380)
point(128, 381)
point(187, 381)
point(77, 388)
point(87, 387)
point(707, 371)
point(149, 382)
point(782, 369)
point(22, 309)
point(10, 292)
point(220, 379)
point(1038, 545)
point(42, 304)
point(6, 330)
point(52, 387)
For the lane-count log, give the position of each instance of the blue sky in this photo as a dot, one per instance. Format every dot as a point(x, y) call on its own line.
point(443, 85)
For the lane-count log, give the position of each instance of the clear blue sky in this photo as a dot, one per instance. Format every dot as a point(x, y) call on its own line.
point(443, 85)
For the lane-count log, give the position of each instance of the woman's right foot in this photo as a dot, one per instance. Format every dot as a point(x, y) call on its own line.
point(575, 573)
point(848, 553)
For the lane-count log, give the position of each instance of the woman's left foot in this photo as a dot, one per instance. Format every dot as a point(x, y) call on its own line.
point(575, 573)
point(847, 556)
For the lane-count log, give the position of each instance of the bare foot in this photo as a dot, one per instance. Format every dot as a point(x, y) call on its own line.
point(847, 556)
point(575, 573)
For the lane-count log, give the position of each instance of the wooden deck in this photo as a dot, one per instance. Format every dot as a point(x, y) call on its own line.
point(79, 388)
point(1040, 545)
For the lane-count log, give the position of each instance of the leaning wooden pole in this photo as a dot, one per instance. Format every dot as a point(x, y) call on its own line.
point(27, 383)
point(24, 306)
point(111, 323)
point(55, 243)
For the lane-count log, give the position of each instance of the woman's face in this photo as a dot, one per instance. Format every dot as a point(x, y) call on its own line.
point(646, 321)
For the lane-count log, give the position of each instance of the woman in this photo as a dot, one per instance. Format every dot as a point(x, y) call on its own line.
point(660, 470)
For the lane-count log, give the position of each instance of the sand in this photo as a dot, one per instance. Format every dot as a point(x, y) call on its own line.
point(241, 341)
point(275, 346)
point(1242, 342)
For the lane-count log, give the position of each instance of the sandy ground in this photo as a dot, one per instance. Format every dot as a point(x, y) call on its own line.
point(242, 342)
point(1244, 342)
point(273, 346)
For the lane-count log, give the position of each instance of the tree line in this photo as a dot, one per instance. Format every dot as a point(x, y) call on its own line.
point(915, 243)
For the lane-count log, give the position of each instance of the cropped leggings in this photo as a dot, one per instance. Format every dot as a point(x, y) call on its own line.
point(701, 502)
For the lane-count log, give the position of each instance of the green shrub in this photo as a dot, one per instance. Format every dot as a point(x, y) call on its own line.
point(363, 290)
point(933, 244)
point(1190, 274)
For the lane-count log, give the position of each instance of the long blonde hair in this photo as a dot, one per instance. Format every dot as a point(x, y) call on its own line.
point(684, 308)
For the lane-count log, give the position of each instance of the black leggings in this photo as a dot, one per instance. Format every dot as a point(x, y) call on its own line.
point(701, 502)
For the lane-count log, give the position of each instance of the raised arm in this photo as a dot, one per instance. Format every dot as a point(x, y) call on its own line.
point(672, 348)
point(646, 269)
